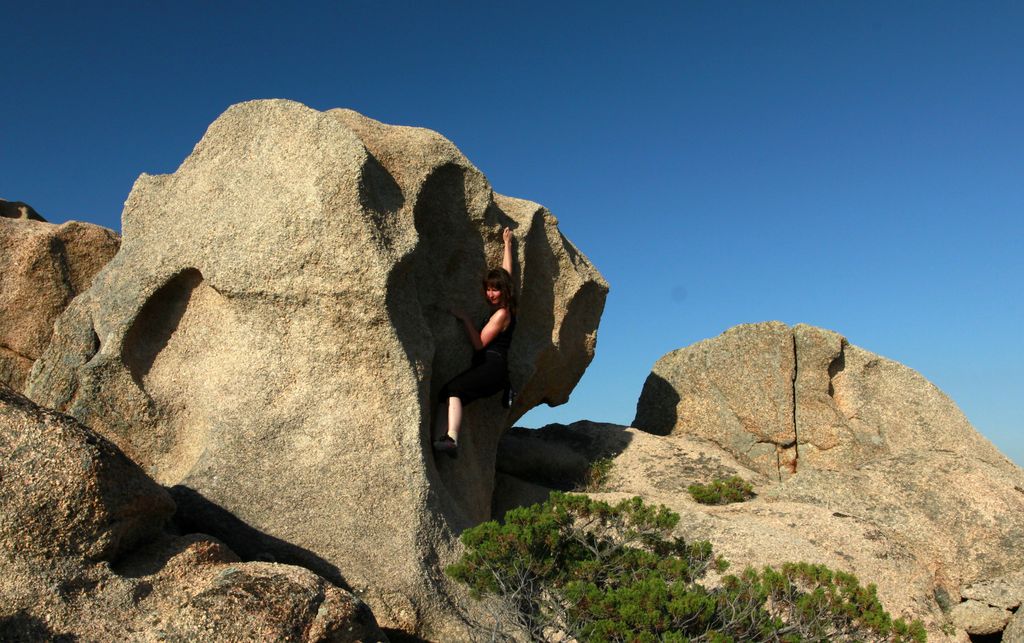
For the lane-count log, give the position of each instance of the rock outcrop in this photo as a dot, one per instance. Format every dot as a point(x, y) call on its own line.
point(42, 267)
point(922, 527)
point(271, 336)
point(919, 503)
point(84, 556)
point(781, 399)
point(1014, 632)
point(18, 210)
point(993, 606)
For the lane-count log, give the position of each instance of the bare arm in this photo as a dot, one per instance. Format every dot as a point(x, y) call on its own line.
point(497, 323)
point(506, 257)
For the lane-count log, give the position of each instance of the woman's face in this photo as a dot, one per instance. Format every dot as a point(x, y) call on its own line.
point(493, 295)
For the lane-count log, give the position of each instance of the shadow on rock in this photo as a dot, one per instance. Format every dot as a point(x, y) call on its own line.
point(22, 626)
point(197, 514)
point(533, 462)
point(656, 409)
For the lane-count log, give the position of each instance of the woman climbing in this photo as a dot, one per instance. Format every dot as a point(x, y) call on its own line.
point(489, 371)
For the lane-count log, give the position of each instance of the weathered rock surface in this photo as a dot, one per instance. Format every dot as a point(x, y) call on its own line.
point(990, 607)
point(979, 618)
point(1014, 632)
point(84, 555)
point(919, 525)
point(42, 267)
point(781, 398)
point(272, 335)
point(1005, 591)
point(67, 492)
point(919, 504)
point(18, 210)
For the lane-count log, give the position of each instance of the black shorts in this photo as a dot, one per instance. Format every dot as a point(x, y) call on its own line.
point(488, 375)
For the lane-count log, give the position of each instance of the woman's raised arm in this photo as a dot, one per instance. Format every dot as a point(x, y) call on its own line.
point(506, 257)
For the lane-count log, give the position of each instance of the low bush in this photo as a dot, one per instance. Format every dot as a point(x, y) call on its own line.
point(597, 475)
point(577, 568)
point(722, 491)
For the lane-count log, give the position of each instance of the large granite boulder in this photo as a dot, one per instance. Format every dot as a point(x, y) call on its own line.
point(84, 554)
point(271, 337)
point(42, 267)
point(782, 399)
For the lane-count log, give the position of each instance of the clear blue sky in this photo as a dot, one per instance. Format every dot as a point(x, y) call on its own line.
point(853, 165)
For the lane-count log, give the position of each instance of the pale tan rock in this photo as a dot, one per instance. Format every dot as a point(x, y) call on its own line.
point(963, 516)
point(83, 555)
point(735, 390)
point(979, 618)
point(1014, 632)
point(65, 492)
point(559, 457)
point(1006, 591)
point(275, 329)
point(918, 525)
point(42, 267)
point(782, 399)
point(823, 431)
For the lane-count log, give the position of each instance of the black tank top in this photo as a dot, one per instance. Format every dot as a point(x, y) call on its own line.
point(503, 341)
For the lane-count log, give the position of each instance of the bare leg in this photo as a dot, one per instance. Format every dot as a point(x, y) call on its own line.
point(454, 417)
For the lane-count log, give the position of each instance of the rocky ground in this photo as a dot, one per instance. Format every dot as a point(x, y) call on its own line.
point(86, 555)
point(908, 496)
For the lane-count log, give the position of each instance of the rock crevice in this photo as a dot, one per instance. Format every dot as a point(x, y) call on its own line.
point(795, 445)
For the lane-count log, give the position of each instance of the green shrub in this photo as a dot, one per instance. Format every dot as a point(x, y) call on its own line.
point(584, 569)
point(722, 491)
point(597, 475)
point(807, 602)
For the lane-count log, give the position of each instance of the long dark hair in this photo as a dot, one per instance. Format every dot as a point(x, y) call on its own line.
point(500, 279)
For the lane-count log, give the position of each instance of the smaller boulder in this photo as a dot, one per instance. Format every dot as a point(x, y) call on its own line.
point(979, 618)
point(1014, 632)
point(43, 266)
point(1006, 591)
point(203, 594)
point(83, 554)
point(558, 456)
point(786, 399)
point(69, 492)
